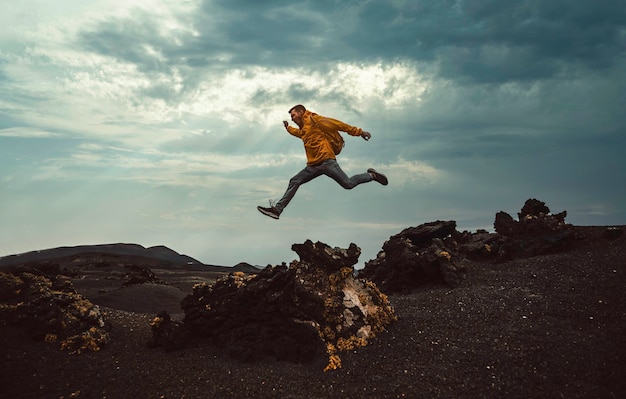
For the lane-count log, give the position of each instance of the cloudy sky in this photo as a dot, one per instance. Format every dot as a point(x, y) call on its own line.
point(159, 122)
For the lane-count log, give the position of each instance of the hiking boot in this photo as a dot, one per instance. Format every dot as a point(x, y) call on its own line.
point(379, 177)
point(269, 211)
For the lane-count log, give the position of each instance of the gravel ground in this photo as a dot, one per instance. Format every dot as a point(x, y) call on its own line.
point(550, 326)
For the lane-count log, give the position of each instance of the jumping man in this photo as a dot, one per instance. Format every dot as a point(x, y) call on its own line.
point(321, 160)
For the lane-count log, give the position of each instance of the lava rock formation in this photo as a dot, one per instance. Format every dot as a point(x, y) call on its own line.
point(314, 308)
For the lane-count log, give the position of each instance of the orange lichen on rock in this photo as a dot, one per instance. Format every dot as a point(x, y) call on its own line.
point(156, 322)
point(334, 361)
point(91, 340)
point(364, 312)
point(351, 343)
point(354, 310)
point(445, 255)
point(50, 338)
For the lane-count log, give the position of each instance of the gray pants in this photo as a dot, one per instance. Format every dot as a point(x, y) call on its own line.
point(330, 168)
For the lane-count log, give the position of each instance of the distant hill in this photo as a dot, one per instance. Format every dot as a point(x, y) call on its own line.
point(160, 253)
point(246, 268)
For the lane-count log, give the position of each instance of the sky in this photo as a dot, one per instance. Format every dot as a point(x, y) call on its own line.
point(160, 122)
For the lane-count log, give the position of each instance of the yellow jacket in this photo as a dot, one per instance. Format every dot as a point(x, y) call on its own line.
point(316, 145)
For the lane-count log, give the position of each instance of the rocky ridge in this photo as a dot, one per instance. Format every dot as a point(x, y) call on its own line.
point(437, 253)
point(314, 307)
point(44, 303)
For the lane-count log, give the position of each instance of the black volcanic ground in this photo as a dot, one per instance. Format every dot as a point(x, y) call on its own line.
point(549, 326)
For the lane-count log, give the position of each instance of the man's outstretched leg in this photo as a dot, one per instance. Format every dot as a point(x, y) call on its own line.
point(334, 171)
point(305, 175)
point(270, 211)
point(379, 177)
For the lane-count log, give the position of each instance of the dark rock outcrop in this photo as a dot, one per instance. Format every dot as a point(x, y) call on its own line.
point(310, 310)
point(536, 231)
point(140, 275)
point(46, 305)
point(436, 251)
point(416, 256)
point(167, 333)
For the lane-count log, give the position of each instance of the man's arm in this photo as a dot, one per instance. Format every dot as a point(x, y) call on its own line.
point(334, 124)
point(292, 130)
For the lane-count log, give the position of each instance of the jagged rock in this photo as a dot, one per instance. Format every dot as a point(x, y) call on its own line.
point(436, 252)
point(140, 275)
point(423, 235)
point(49, 308)
point(167, 333)
point(537, 231)
point(331, 259)
point(416, 256)
point(506, 225)
point(479, 246)
point(533, 208)
point(310, 310)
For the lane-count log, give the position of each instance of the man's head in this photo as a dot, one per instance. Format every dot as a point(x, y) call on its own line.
point(296, 113)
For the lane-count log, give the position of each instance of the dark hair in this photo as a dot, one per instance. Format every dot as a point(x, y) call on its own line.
point(298, 107)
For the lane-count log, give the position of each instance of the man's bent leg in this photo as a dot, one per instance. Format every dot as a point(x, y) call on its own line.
point(332, 169)
point(305, 175)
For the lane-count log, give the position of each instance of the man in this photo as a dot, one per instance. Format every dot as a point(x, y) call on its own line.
point(313, 131)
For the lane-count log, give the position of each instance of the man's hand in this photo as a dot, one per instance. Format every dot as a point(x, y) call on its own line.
point(286, 124)
point(366, 135)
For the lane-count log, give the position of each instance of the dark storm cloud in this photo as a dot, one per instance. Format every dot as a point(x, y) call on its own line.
point(495, 41)
point(125, 40)
point(484, 41)
point(278, 33)
point(501, 62)
point(469, 41)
